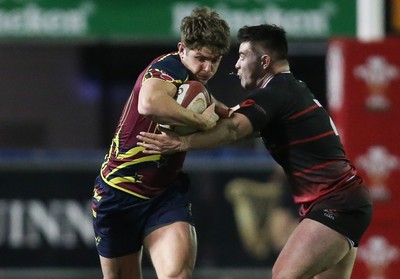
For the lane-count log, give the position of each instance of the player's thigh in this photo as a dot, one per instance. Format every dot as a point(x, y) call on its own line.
point(125, 267)
point(172, 249)
point(342, 269)
point(311, 249)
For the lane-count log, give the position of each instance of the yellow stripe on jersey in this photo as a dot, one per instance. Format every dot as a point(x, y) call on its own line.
point(130, 153)
point(134, 162)
point(130, 179)
point(122, 179)
point(130, 192)
point(123, 189)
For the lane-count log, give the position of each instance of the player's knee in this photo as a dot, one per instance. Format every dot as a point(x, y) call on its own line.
point(174, 270)
point(184, 272)
point(282, 273)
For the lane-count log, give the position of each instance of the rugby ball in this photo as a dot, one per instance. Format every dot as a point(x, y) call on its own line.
point(193, 96)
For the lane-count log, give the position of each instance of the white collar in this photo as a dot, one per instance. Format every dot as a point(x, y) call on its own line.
point(271, 77)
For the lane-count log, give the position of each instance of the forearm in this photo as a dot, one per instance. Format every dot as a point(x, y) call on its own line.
point(156, 102)
point(224, 133)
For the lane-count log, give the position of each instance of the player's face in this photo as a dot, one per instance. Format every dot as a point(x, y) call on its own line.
point(249, 67)
point(201, 63)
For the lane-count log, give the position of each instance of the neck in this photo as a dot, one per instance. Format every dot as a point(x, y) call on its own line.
point(266, 78)
point(278, 67)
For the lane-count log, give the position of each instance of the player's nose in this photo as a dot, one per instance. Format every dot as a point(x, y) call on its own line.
point(207, 66)
point(237, 66)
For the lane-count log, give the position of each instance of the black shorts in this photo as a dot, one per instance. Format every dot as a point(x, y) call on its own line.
point(121, 221)
point(348, 212)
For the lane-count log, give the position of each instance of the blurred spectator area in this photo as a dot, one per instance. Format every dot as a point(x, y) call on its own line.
point(69, 96)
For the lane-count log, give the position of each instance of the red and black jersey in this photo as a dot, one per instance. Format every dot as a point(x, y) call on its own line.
point(125, 166)
point(301, 137)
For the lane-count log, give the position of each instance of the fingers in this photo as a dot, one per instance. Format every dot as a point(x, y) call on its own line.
point(214, 117)
point(147, 139)
point(210, 109)
point(148, 145)
point(152, 143)
point(149, 148)
point(159, 143)
point(210, 116)
point(212, 121)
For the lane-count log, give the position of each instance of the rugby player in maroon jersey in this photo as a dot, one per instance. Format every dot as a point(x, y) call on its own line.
point(140, 201)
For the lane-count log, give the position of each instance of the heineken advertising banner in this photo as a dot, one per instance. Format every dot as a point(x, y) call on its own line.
point(159, 21)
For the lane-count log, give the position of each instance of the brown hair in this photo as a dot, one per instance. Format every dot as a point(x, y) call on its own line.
point(205, 28)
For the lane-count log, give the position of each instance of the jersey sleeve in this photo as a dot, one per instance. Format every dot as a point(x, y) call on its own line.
point(261, 107)
point(167, 68)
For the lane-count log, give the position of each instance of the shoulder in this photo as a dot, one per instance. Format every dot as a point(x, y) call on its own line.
point(167, 67)
point(285, 86)
point(287, 82)
point(283, 82)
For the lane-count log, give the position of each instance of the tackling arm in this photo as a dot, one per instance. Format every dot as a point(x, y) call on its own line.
point(225, 132)
point(221, 109)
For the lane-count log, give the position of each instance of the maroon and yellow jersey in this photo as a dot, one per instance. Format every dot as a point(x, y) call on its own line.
point(301, 137)
point(125, 166)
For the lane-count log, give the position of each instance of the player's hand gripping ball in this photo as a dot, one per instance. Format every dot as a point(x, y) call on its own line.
point(193, 96)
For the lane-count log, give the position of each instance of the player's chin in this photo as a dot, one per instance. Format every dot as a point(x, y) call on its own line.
point(204, 79)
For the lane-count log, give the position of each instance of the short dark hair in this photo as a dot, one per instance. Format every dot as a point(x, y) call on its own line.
point(205, 28)
point(268, 37)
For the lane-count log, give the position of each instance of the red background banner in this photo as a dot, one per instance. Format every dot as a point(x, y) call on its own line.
point(364, 102)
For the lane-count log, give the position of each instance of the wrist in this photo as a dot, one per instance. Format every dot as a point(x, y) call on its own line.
point(184, 144)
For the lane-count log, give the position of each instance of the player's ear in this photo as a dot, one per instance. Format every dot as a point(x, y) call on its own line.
point(181, 48)
point(265, 61)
